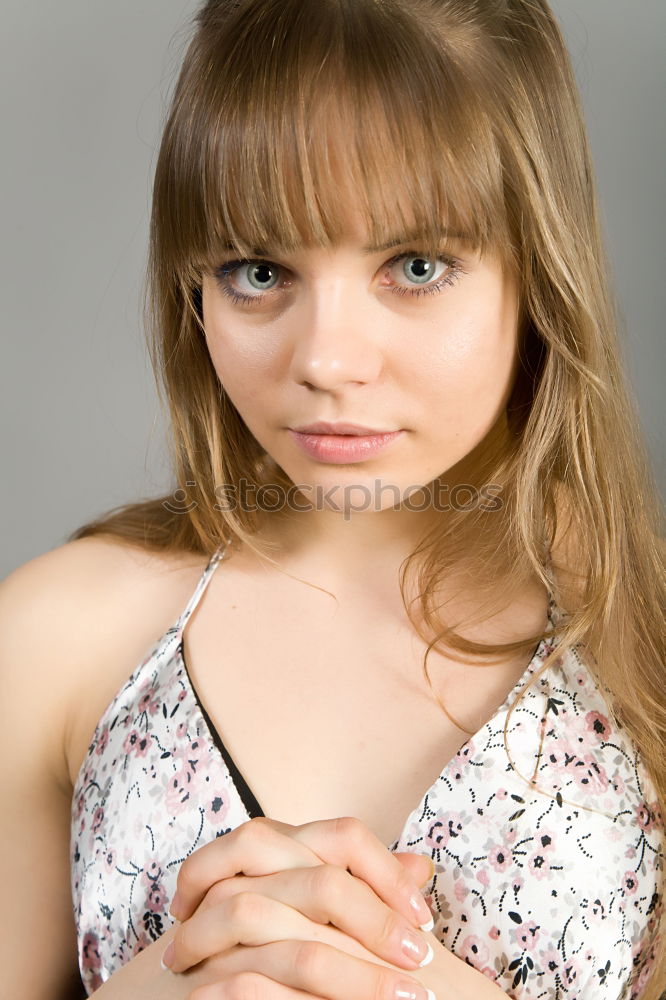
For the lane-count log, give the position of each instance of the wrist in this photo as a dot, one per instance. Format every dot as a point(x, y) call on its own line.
point(451, 978)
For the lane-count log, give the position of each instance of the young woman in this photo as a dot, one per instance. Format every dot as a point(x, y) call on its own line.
point(435, 636)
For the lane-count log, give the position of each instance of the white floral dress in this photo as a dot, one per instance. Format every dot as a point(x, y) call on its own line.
point(545, 897)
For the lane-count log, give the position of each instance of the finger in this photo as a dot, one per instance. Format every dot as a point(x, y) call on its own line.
point(323, 970)
point(263, 846)
point(250, 984)
point(256, 847)
point(350, 844)
point(248, 918)
point(327, 895)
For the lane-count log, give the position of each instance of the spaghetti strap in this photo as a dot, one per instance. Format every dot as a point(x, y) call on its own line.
point(204, 580)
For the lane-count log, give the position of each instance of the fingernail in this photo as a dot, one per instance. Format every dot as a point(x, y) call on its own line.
point(175, 905)
point(413, 991)
point(421, 911)
point(416, 948)
point(168, 956)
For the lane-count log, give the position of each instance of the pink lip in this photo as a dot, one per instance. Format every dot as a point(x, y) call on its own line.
point(340, 449)
point(322, 427)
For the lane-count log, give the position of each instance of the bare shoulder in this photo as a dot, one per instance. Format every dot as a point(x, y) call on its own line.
point(77, 619)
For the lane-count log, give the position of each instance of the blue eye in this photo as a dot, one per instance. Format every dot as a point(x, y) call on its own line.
point(263, 275)
point(420, 267)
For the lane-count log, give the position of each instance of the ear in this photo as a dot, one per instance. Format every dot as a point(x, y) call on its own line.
point(421, 867)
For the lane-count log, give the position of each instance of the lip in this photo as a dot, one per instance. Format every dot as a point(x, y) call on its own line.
point(341, 449)
point(323, 427)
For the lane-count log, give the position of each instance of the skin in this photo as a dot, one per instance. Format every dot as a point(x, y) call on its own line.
point(331, 341)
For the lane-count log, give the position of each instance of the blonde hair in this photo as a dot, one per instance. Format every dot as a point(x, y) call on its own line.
point(471, 111)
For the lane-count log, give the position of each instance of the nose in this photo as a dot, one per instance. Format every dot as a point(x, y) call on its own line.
point(335, 340)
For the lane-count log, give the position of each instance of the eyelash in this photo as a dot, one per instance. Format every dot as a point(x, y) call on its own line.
point(240, 298)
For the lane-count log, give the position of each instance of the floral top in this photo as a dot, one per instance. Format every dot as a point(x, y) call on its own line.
point(547, 898)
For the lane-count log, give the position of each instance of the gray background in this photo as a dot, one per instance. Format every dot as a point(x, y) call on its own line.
point(84, 87)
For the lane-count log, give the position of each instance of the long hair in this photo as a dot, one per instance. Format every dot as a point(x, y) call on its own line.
point(286, 110)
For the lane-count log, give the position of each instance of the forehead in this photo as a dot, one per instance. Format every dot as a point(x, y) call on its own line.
point(334, 148)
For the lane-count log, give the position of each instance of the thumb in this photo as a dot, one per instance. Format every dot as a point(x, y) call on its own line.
point(421, 867)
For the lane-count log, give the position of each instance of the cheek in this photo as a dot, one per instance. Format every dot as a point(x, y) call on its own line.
point(472, 360)
point(242, 362)
point(240, 355)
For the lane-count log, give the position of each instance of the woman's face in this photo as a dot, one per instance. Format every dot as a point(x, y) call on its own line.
point(424, 346)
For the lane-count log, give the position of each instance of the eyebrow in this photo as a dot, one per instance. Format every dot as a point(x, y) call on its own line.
point(395, 241)
point(443, 234)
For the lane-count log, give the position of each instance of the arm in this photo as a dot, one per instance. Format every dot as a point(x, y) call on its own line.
point(48, 642)
point(38, 950)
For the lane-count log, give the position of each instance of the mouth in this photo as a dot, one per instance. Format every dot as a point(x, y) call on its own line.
point(341, 429)
point(342, 449)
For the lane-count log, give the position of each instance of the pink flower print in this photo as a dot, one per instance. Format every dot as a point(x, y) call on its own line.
point(501, 793)
point(110, 860)
point(141, 942)
point(91, 961)
point(151, 872)
point(597, 912)
point(447, 827)
point(500, 858)
point(98, 818)
point(482, 877)
point(90, 952)
point(538, 864)
point(465, 753)
point(189, 753)
point(589, 774)
point(474, 951)
point(562, 754)
point(494, 933)
point(148, 702)
point(526, 934)
point(569, 973)
point(517, 883)
point(157, 898)
point(460, 891)
point(546, 841)
point(629, 883)
point(551, 960)
point(618, 783)
point(178, 791)
point(656, 813)
point(136, 743)
point(217, 809)
point(641, 982)
point(580, 679)
point(78, 808)
point(103, 741)
point(88, 774)
point(181, 730)
point(645, 814)
point(598, 724)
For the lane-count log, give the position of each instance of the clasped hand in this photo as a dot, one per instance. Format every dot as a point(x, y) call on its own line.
point(322, 909)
